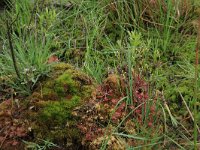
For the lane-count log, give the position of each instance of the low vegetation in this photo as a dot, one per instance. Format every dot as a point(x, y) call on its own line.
point(99, 74)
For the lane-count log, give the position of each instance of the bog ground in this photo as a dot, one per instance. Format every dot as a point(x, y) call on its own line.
point(109, 74)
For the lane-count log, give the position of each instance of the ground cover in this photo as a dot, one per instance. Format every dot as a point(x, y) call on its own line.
point(100, 74)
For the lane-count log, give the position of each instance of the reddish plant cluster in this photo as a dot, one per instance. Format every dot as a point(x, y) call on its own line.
point(108, 96)
point(90, 133)
point(141, 98)
point(12, 134)
point(140, 88)
point(141, 101)
point(11, 128)
point(108, 103)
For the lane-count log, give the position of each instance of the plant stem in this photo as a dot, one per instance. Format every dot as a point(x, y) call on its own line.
point(12, 50)
point(196, 86)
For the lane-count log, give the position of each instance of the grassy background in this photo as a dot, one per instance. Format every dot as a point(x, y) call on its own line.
point(156, 38)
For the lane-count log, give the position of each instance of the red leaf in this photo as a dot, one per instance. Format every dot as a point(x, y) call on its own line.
point(117, 115)
point(150, 124)
point(138, 111)
point(152, 109)
point(114, 101)
point(105, 99)
point(131, 107)
point(2, 139)
point(8, 102)
point(88, 137)
point(14, 143)
point(52, 59)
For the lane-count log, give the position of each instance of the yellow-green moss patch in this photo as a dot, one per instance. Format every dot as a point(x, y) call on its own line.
point(57, 96)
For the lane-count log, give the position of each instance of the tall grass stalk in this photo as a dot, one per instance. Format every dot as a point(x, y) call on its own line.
point(93, 64)
point(9, 27)
point(196, 86)
point(168, 21)
point(130, 77)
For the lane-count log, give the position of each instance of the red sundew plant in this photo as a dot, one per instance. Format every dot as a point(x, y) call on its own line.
point(90, 133)
point(141, 90)
point(106, 95)
point(140, 100)
point(109, 103)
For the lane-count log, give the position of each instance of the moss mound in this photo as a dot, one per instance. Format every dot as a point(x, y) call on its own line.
point(51, 105)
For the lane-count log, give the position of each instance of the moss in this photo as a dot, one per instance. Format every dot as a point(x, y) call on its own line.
point(65, 89)
point(59, 135)
point(87, 90)
point(65, 84)
point(74, 55)
point(55, 122)
point(49, 94)
point(81, 77)
point(49, 84)
point(62, 66)
point(58, 112)
point(36, 96)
